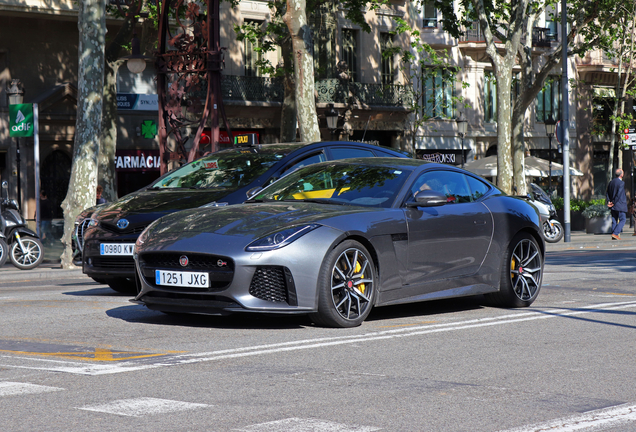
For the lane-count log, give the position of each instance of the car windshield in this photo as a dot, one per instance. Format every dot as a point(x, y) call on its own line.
point(232, 169)
point(349, 184)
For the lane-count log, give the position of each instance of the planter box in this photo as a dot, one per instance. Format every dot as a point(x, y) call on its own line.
point(599, 225)
point(577, 220)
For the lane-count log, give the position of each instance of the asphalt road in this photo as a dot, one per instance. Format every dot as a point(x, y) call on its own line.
point(75, 355)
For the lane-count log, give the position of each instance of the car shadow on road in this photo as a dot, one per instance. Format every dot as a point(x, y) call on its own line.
point(427, 308)
point(140, 314)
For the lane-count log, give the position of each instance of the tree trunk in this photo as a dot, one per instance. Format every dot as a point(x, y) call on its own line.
point(288, 114)
point(106, 173)
point(303, 53)
point(107, 176)
point(504, 130)
point(83, 181)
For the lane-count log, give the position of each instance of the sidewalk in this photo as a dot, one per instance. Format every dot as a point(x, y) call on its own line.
point(579, 240)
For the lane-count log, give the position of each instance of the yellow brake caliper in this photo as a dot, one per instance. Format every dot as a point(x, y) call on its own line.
point(358, 268)
point(513, 265)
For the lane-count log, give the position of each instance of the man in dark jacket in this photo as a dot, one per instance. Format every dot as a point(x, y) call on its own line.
point(617, 202)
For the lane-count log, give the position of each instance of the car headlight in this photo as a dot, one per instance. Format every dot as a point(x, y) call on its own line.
point(280, 239)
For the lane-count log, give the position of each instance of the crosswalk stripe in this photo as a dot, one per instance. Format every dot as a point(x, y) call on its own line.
point(15, 388)
point(143, 406)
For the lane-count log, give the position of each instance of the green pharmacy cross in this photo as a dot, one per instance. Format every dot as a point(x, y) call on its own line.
point(149, 129)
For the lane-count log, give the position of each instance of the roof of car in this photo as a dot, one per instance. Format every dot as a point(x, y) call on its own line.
point(291, 146)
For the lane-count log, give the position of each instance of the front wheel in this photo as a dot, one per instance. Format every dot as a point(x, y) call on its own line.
point(521, 273)
point(30, 257)
point(346, 285)
point(4, 252)
point(554, 233)
point(122, 285)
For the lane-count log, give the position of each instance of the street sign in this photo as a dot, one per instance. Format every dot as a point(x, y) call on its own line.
point(629, 137)
point(21, 120)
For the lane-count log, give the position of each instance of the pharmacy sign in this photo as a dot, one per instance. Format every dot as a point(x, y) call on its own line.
point(21, 120)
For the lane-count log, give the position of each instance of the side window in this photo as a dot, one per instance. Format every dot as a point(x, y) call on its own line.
point(345, 153)
point(312, 159)
point(477, 188)
point(451, 184)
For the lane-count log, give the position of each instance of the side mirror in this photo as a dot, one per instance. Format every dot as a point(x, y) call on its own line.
point(250, 193)
point(428, 198)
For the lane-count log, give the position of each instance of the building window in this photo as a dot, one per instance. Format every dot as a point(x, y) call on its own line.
point(387, 62)
point(438, 92)
point(429, 15)
point(549, 100)
point(350, 52)
point(490, 97)
point(251, 54)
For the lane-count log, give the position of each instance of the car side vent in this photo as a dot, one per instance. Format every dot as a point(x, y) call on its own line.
point(274, 284)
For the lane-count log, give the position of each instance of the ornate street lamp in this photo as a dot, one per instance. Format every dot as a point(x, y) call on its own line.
point(332, 118)
point(462, 127)
point(16, 97)
point(550, 129)
point(136, 62)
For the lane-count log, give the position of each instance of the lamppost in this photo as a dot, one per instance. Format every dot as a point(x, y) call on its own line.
point(462, 126)
point(550, 129)
point(16, 97)
point(332, 118)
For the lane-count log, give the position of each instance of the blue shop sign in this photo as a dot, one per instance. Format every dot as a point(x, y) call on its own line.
point(138, 102)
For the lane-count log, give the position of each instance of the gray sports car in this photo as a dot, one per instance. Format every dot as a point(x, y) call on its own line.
point(335, 239)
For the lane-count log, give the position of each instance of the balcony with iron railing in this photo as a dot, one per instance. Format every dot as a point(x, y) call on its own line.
point(541, 37)
point(264, 89)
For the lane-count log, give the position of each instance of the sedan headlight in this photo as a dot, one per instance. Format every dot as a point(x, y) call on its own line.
point(280, 239)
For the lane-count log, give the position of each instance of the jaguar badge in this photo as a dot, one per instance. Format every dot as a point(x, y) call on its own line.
point(183, 260)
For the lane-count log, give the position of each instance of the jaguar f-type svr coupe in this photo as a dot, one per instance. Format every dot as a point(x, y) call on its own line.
point(335, 239)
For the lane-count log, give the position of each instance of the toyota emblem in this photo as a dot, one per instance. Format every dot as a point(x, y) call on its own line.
point(122, 223)
point(183, 260)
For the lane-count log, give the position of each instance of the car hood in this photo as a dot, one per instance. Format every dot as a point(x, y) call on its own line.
point(157, 203)
point(251, 221)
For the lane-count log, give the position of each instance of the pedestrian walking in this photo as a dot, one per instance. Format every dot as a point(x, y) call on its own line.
point(617, 202)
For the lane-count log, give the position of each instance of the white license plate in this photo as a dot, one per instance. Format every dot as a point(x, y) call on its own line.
point(181, 279)
point(117, 249)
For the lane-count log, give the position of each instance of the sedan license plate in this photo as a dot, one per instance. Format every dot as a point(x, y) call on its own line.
point(181, 279)
point(117, 249)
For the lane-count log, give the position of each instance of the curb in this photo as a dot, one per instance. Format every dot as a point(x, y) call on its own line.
point(38, 274)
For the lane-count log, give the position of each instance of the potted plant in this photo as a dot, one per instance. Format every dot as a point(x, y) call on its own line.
point(598, 219)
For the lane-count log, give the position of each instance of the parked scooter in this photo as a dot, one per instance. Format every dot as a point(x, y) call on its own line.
point(552, 228)
point(24, 247)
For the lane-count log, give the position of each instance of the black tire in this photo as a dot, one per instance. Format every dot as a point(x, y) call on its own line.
point(521, 273)
point(4, 252)
point(552, 235)
point(123, 285)
point(346, 286)
point(31, 257)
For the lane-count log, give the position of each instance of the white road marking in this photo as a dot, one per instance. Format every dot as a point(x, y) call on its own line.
point(589, 421)
point(129, 366)
point(305, 425)
point(16, 388)
point(144, 406)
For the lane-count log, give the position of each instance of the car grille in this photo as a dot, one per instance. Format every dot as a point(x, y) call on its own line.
point(113, 262)
point(220, 269)
point(132, 230)
point(274, 284)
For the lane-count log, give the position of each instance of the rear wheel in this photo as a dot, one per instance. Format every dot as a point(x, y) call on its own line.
point(521, 273)
point(346, 285)
point(29, 256)
point(123, 285)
